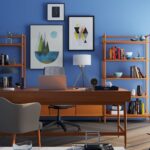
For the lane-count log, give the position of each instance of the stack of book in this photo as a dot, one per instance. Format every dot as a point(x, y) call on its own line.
point(135, 72)
point(136, 107)
point(116, 53)
point(114, 110)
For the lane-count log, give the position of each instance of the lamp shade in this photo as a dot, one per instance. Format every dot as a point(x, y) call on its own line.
point(82, 59)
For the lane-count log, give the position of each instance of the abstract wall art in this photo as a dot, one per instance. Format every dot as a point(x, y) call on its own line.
point(81, 32)
point(46, 46)
point(55, 12)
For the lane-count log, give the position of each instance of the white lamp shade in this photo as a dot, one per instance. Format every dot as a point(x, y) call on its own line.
point(82, 59)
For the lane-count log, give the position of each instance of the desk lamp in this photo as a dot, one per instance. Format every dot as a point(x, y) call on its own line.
point(81, 60)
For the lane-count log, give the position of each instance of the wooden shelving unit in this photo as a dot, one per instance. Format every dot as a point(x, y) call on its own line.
point(125, 40)
point(126, 60)
point(20, 42)
point(130, 115)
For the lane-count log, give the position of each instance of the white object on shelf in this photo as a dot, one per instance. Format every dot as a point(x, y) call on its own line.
point(114, 112)
point(8, 89)
point(115, 107)
point(80, 89)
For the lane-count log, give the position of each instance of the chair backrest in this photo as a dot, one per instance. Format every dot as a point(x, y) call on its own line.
point(54, 71)
point(18, 118)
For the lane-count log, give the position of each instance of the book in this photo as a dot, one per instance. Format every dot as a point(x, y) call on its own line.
point(142, 76)
point(135, 72)
point(110, 53)
point(143, 108)
point(114, 112)
point(114, 107)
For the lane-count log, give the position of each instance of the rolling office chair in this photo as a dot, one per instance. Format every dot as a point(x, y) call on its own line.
point(19, 118)
point(59, 122)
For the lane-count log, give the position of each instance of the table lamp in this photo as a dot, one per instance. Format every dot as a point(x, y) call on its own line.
point(81, 60)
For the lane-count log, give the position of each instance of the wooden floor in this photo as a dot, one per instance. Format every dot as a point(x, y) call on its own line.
point(137, 136)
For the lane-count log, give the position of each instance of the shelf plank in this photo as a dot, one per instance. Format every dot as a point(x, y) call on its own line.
point(119, 36)
point(125, 60)
point(123, 78)
point(12, 36)
point(10, 44)
point(130, 115)
point(12, 65)
point(124, 42)
point(136, 96)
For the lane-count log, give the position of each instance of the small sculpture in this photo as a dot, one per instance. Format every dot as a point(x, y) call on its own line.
point(94, 82)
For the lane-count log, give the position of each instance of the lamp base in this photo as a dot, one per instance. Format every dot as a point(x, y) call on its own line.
point(80, 76)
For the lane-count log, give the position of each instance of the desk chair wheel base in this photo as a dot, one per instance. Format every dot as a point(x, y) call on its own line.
point(62, 124)
point(59, 121)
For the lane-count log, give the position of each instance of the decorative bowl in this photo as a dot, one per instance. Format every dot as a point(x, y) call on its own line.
point(118, 74)
point(129, 55)
point(26, 145)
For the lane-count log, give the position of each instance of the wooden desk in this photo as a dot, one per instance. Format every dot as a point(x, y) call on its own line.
point(56, 148)
point(75, 97)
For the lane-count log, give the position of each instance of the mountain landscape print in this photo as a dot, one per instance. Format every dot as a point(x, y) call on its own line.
point(46, 46)
point(43, 54)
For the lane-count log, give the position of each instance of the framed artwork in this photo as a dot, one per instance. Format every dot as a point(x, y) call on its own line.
point(81, 32)
point(46, 46)
point(55, 12)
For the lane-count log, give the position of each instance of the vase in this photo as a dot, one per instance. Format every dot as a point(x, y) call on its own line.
point(139, 90)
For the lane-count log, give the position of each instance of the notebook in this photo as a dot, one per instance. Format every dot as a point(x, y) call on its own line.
point(53, 82)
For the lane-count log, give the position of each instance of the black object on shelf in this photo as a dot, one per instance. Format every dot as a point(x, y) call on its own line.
point(135, 107)
point(139, 90)
point(94, 82)
point(22, 83)
point(10, 82)
point(4, 59)
point(106, 88)
point(98, 147)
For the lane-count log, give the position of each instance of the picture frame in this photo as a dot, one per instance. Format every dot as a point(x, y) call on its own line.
point(81, 33)
point(46, 46)
point(56, 12)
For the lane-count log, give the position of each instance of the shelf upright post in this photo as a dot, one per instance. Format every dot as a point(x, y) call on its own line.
point(147, 75)
point(24, 59)
point(104, 70)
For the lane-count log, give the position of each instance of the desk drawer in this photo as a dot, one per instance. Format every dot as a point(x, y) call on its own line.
point(79, 110)
point(89, 110)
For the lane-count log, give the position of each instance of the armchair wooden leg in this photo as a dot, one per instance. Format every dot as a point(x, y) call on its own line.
point(14, 139)
point(39, 137)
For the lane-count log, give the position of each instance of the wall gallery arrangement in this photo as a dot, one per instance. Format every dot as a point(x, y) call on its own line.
point(81, 33)
point(46, 46)
point(46, 41)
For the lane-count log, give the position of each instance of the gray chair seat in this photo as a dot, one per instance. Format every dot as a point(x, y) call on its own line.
point(19, 118)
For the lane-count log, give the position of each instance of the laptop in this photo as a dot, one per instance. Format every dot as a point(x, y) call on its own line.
point(52, 82)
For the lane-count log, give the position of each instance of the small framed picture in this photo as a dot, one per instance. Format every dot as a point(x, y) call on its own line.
point(55, 12)
point(81, 33)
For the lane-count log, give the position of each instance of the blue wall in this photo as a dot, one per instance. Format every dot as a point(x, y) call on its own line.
point(115, 17)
